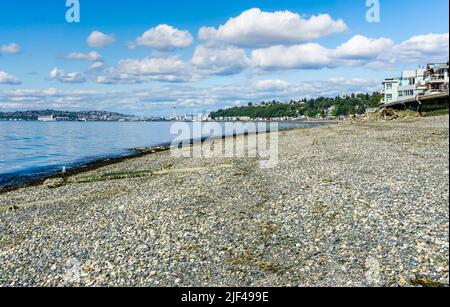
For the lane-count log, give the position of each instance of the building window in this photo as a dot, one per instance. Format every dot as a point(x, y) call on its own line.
point(409, 93)
point(388, 86)
point(389, 97)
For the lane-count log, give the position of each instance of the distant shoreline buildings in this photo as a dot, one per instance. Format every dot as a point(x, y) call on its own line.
point(433, 79)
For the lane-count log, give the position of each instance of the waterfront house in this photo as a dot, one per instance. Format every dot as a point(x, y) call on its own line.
point(409, 85)
point(436, 78)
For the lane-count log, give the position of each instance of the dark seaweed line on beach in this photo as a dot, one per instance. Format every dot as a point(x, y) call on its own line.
point(21, 181)
point(82, 168)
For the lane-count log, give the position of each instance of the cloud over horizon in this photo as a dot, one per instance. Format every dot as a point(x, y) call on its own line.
point(149, 101)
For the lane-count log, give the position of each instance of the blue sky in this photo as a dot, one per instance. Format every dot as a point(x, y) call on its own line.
point(296, 56)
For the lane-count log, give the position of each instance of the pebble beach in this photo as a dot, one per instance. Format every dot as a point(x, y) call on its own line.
point(363, 204)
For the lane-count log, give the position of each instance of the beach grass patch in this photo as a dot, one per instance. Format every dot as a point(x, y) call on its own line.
point(440, 112)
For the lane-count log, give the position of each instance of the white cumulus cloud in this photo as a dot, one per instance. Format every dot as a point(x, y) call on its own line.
point(361, 47)
point(255, 28)
point(11, 48)
point(7, 78)
point(92, 56)
point(100, 40)
point(430, 46)
point(271, 85)
point(164, 38)
point(417, 50)
point(372, 53)
point(219, 61)
point(305, 56)
point(97, 66)
point(61, 76)
point(168, 69)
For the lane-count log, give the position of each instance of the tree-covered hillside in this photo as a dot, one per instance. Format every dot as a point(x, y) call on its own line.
point(353, 104)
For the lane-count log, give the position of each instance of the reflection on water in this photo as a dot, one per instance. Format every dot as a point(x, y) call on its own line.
point(33, 148)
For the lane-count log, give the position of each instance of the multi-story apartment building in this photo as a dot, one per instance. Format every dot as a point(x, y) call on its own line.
point(433, 79)
point(409, 85)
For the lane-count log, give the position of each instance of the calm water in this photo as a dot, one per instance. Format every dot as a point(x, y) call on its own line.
point(30, 149)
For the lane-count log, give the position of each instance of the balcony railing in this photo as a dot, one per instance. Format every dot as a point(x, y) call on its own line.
point(435, 78)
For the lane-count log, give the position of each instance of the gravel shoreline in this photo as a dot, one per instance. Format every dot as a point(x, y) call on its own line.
point(362, 204)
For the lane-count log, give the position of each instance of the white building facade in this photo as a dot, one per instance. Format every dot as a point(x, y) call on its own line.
point(408, 86)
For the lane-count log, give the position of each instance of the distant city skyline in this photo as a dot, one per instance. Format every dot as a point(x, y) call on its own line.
point(144, 57)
